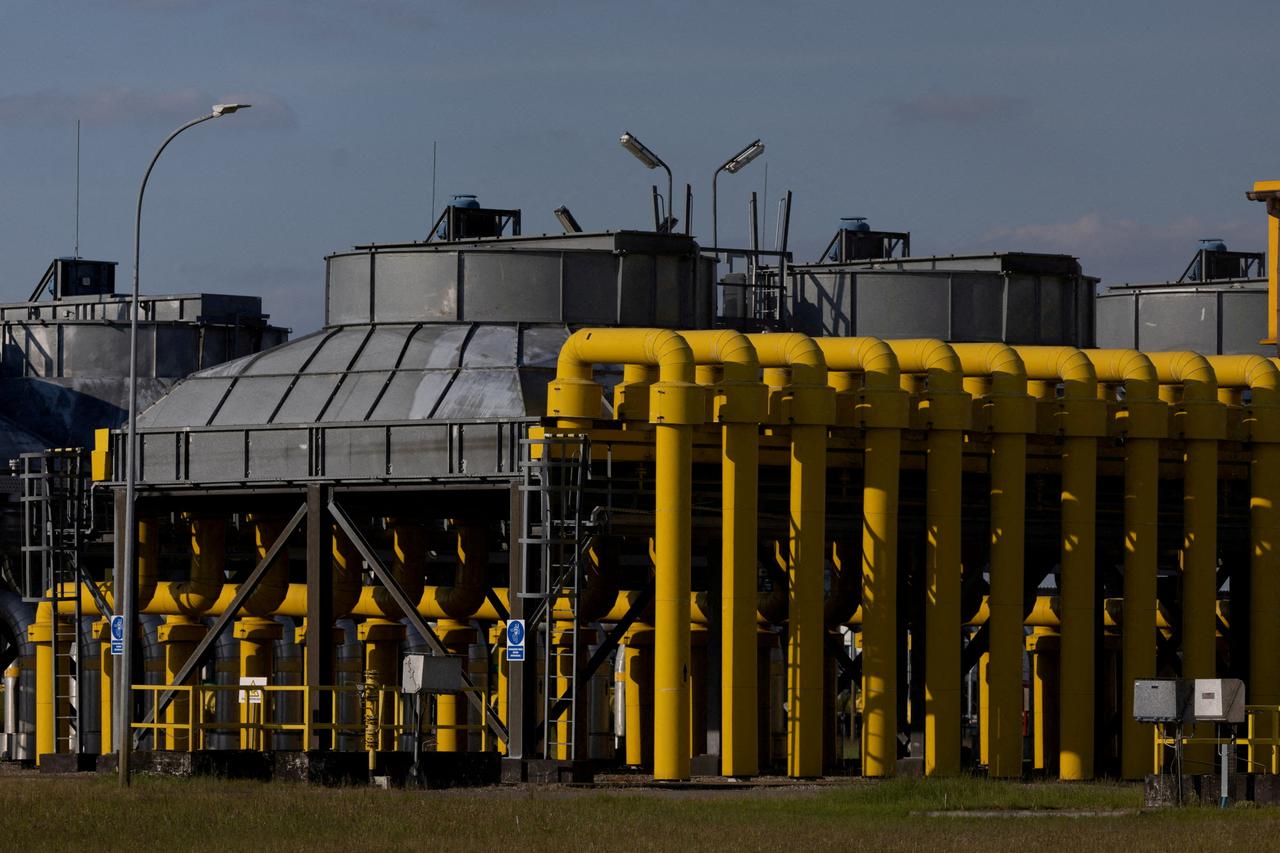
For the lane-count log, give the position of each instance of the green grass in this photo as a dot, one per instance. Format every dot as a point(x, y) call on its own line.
point(72, 813)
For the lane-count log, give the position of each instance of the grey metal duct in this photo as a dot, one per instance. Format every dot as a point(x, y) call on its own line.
point(16, 616)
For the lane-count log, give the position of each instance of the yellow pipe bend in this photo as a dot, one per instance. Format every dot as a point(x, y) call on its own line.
point(274, 585)
point(808, 404)
point(1262, 378)
point(739, 403)
point(1144, 421)
point(1082, 417)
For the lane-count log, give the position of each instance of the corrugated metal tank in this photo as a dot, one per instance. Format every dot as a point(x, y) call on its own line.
point(1214, 318)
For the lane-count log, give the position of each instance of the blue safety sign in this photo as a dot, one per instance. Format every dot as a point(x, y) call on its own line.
point(117, 635)
point(515, 639)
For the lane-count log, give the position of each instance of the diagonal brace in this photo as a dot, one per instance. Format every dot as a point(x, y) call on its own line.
point(410, 610)
point(246, 589)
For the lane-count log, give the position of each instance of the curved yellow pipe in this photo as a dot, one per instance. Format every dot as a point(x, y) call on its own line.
point(1081, 417)
point(802, 398)
point(274, 585)
point(675, 406)
point(738, 402)
point(1200, 419)
point(1144, 422)
point(196, 595)
point(945, 406)
point(997, 375)
point(881, 409)
point(1262, 379)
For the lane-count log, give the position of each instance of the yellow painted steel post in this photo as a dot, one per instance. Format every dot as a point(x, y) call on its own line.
point(739, 402)
point(1007, 411)
point(106, 683)
point(40, 633)
point(1142, 419)
point(1079, 417)
point(1268, 192)
point(984, 709)
point(807, 402)
point(675, 406)
point(944, 409)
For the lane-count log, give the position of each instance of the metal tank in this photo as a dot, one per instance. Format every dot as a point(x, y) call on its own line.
point(1016, 298)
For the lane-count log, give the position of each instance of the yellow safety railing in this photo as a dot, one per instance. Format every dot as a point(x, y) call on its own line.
point(384, 717)
point(1263, 751)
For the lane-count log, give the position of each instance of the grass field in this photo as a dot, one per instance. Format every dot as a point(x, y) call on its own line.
point(73, 813)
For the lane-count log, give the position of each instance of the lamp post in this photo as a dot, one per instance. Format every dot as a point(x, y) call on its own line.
point(126, 580)
point(649, 159)
point(732, 166)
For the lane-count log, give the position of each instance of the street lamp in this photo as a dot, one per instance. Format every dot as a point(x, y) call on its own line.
point(732, 166)
point(126, 580)
point(649, 159)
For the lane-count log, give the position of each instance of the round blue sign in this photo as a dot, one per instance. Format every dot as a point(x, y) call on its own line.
point(515, 633)
point(117, 628)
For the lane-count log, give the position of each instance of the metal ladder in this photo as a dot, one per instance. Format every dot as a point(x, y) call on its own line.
point(53, 511)
point(558, 475)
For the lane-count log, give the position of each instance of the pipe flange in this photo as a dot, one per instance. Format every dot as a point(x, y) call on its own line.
point(676, 403)
point(574, 398)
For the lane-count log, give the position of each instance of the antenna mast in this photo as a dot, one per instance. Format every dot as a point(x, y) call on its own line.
point(77, 238)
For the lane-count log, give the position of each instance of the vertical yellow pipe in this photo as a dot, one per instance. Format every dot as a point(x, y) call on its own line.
point(382, 639)
point(672, 522)
point(805, 625)
point(984, 709)
point(179, 635)
point(106, 683)
point(739, 403)
point(942, 603)
point(41, 634)
point(639, 695)
point(1079, 499)
point(879, 603)
point(1141, 477)
point(1004, 627)
point(257, 635)
point(739, 754)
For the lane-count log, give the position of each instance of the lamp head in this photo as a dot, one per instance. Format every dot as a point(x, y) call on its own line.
point(228, 109)
point(743, 157)
point(639, 151)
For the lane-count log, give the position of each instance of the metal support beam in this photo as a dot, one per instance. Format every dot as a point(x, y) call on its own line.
point(522, 688)
point(410, 611)
point(320, 616)
point(206, 644)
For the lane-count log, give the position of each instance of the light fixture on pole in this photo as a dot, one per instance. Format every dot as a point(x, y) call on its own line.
point(126, 579)
point(733, 165)
point(649, 159)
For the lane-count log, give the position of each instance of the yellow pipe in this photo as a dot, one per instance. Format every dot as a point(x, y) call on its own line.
point(409, 554)
point(675, 406)
point(805, 400)
point(945, 407)
point(1143, 421)
point(739, 403)
point(382, 639)
point(1080, 417)
point(1199, 419)
point(1262, 379)
point(274, 585)
point(880, 408)
point(1009, 414)
point(257, 635)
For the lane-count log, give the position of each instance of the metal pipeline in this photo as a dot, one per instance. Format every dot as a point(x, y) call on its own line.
point(1079, 417)
point(1200, 420)
point(1262, 420)
point(945, 410)
point(1142, 420)
point(738, 401)
point(879, 408)
point(996, 376)
point(675, 406)
point(796, 373)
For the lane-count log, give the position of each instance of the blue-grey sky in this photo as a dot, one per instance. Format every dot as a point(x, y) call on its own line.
point(1119, 132)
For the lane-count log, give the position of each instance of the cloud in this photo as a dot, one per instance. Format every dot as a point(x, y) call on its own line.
point(942, 108)
point(119, 105)
point(1120, 250)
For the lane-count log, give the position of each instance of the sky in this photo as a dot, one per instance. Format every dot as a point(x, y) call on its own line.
point(1119, 132)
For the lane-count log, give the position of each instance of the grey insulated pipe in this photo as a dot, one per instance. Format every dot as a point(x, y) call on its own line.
point(152, 670)
point(16, 616)
point(288, 672)
point(90, 687)
point(226, 708)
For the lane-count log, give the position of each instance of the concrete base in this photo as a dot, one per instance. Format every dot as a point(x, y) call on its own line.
point(1205, 789)
point(546, 772)
point(73, 763)
point(436, 770)
point(704, 765)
